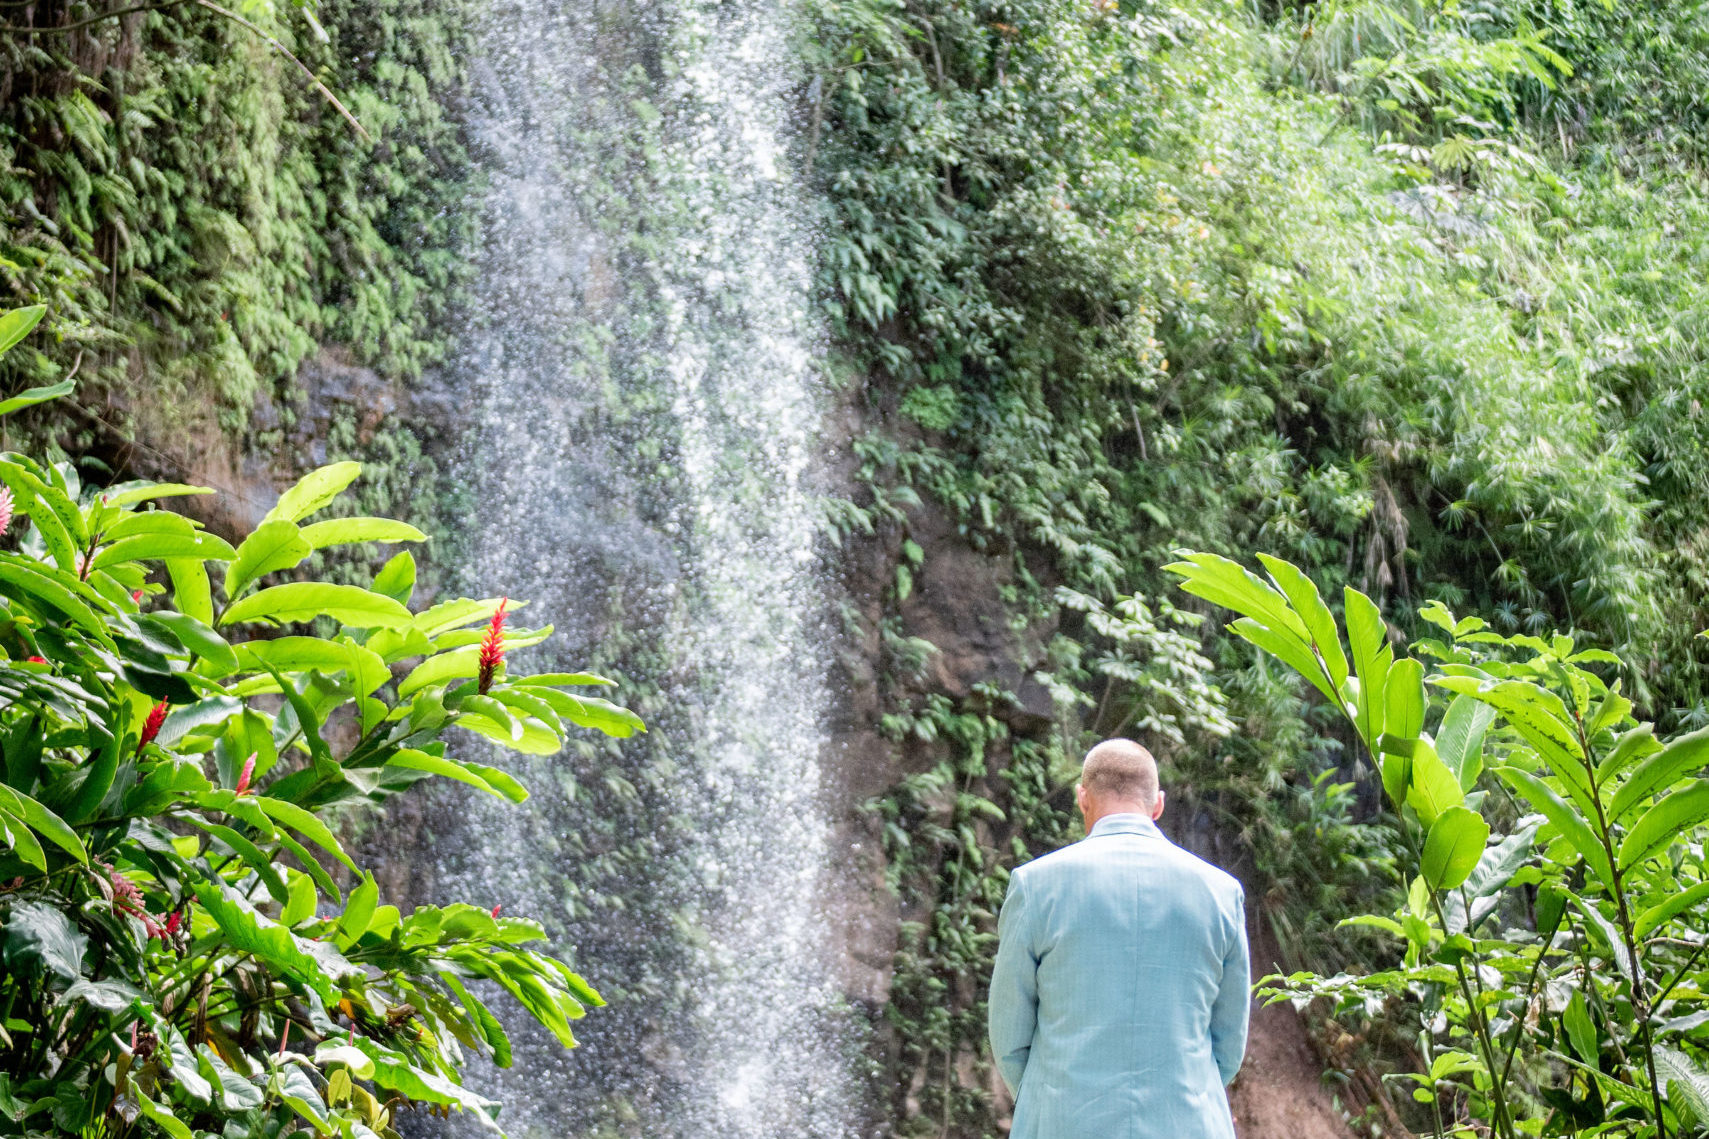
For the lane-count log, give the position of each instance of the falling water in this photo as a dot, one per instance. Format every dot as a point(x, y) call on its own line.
point(642, 466)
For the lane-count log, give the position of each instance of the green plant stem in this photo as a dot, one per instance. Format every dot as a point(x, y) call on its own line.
point(1480, 1027)
point(1640, 1001)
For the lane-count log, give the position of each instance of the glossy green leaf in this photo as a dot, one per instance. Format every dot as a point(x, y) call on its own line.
point(1681, 756)
point(306, 824)
point(1670, 819)
point(343, 531)
point(17, 323)
point(272, 547)
point(191, 592)
point(300, 901)
point(313, 491)
point(1433, 789)
point(304, 601)
point(1656, 916)
point(1459, 741)
point(1453, 847)
point(1307, 602)
point(1564, 816)
point(1403, 699)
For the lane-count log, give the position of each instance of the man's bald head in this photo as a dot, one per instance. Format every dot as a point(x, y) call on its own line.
point(1120, 771)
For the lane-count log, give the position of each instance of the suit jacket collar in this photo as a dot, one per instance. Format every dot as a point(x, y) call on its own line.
point(1125, 823)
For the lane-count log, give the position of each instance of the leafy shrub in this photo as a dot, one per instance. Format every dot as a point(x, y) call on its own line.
point(1554, 965)
point(176, 955)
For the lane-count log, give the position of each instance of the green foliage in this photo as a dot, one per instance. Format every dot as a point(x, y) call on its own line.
point(1407, 292)
point(1544, 1018)
point(177, 945)
point(197, 219)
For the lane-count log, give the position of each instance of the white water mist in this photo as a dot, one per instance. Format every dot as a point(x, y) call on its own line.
point(686, 344)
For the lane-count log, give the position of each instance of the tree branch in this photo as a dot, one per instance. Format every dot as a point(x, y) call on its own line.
point(286, 52)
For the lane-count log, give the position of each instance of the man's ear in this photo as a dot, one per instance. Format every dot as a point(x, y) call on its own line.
point(1080, 796)
point(1157, 808)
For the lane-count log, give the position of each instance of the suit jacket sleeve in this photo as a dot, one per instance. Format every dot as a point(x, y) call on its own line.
point(1014, 989)
point(1233, 1006)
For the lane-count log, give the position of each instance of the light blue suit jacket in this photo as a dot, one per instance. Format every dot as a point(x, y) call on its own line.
point(1121, 994)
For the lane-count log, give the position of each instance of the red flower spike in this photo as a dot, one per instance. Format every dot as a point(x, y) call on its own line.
point(37, 660)
point(5, 510)
point(248, 771)
point(151, 726)
point(497, 908)
point(174, 922)
point(136, 596)
point(492, 647)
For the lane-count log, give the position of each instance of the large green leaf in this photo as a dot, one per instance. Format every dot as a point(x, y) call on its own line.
point(1459, 741)
point(313, 491)
point(1303, 595)
point(43, 821)
point(195, 636)
point(1539, 716)
point(592, 712)
point(1686, 1085)
point(455, 614)
point(33, 396)
point(527, 737)
point(1652, 919)
point(460, 664)
point(236, 1094)
point(162, 1117)
point(1434, 789)
point(1453, 847)
point(191, 592)
point(312, 654)
point(343, 531)
point(306, 824)
point(292, 1085)
point(1403, 699)
point(147, 491)
point(1638, 744)
point(1226, 583)
point(160, 547)
point(304, 601)
point(462, 772)
point(272, 944)
point(1566, 818)
point(251, 856)
point(1681, 756)
point(1367, 636)
point(41, 937)
point(1669, 819)
point(16, 324)
point(1290, 650)
point(273, 546)
point(28, 583)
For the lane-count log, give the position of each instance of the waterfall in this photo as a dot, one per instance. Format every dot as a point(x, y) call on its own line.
point(640, 363)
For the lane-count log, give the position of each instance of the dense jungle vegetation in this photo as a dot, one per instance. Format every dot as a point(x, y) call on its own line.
point(1408, 292)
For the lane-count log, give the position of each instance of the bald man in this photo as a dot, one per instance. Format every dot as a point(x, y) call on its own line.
point(1120, 998)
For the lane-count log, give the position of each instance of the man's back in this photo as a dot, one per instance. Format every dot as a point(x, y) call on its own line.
point(1120, 999)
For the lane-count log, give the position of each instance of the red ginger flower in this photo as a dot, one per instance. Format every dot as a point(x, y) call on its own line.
point(36, 660)
point(151, 726)
point(492, 647)
point(497, 908)
point(5, 509)
point(244, 777)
